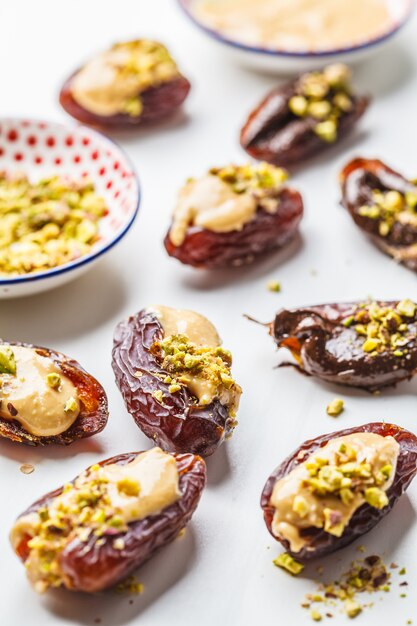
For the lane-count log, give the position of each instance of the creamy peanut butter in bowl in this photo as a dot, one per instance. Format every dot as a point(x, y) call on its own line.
point(287, 36)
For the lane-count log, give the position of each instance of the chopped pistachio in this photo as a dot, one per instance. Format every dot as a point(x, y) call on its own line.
point(352, 608)
point(337, 74)
point(174, 388)
point(315, 615)
point(343, 102)
point(373, 211)
point(159, 396)
point(7, 361)
point(119, 543)
point(335, 407)
point(406, 308)
point(319, 109)
point(133, 106)
point(287, 562)
point(300, 506)
point(128, 486)
point(411, 199)
point(371, 344)
point(384, 229)
point(54, 380)
point(327, 130)
point(46, 224)
point(298, 105)
point(274, 285)
point(376, 497)
point(71, 405)
point(402, 571)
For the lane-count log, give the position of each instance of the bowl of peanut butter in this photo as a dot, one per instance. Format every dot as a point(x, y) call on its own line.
point(285, 36)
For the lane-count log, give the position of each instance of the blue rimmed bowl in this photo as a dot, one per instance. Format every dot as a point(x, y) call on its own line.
point(282, 61)
point(42, 148)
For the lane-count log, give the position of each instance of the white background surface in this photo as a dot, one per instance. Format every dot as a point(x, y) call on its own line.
point(221, 570)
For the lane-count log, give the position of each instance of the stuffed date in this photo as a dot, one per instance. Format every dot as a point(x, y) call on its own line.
point(337, 487)
point(384, 205)
point(369, 345)
point(93, 532)
point(133, 83)
point(299, 119)
point(175, 379)
point(46, 397)
point(232, 215)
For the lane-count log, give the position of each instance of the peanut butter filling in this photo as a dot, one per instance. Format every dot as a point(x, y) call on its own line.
point(296, 25)
point(327, 489)
point(35, 392)
point(192, 356)
point(226, 199)
point(102, 501)
point(112, 82)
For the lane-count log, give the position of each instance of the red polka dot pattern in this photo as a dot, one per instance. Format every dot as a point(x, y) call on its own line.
point(44, 148)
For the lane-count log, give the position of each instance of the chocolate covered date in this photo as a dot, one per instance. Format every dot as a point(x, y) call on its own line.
point(337, 487)
point(232, 215)
point(384, 205)
point(46, 397)
point(369, 345)
point(301, 118)
point(175, 379)
point(132, 83)
point(93, 532)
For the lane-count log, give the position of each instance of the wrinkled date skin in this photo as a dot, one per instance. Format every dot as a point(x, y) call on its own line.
point(273, 133)
point(359, 178)
point(93, 415)
point(326, 349)
point(179, 425)
point(90, 567)
point(204, 248)
point(158, 102)
point(366, 517)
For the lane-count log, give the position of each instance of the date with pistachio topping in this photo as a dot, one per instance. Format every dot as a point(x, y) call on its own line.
point(370, 345)
point(175, 379)
point(384, 205)
point(93, 532)
point(303, 117)
point(133, 83)
point(232, 215)
point(337, 487)
point(47, 397)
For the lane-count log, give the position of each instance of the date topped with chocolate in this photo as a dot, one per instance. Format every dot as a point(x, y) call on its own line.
point(232, 215)
point(384, 205)
point(94, 531)
point(46, 397)
point(335, 488)
point(175, 379)
point(133, 82)
point(302, 117)
point(369, 345)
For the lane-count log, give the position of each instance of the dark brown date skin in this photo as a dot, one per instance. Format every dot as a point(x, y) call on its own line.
point(273, 133)
point(90, 567)
point(178, 426)
point(93, 415)
point(158, 101)
point(207, 249)
point(358, 179)
point(319, 542)
point(326, 349)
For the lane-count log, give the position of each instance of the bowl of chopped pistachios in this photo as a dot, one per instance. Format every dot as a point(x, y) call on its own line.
point(68, 194)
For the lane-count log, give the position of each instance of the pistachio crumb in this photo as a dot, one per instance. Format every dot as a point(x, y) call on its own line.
point(287, 562)
point(274, 285)
point(335, 408)
point(70, 405)
point(315, 615)
point(7, 361)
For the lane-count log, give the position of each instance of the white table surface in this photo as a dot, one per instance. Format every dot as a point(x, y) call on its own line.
point(220, 571)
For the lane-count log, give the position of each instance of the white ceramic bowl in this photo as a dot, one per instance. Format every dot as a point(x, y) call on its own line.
point(284, 62)
point(40, 148)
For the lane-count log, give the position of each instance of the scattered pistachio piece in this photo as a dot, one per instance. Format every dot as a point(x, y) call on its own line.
point(287, 562)
point(71, 405)
point(335, 408)
point(274, 286)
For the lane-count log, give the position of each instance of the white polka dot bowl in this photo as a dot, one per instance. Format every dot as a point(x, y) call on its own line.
point(40, 148)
